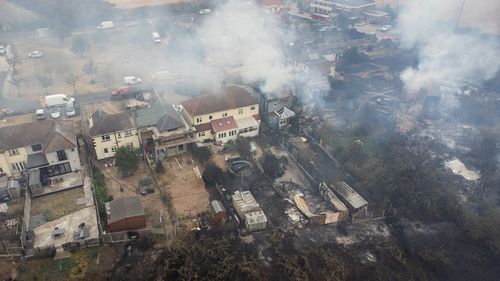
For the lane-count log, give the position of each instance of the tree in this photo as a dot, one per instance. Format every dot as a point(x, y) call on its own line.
point(13, 61)
point(243, 147)
point(44, 81)
point(79, 45)
point(59, 31)
point(17, 82)
point(90, 68)
point(127, 160)
point(159, 168)
point(343, 22)
point(71, 79)
point(202, 154)
point(271, 165)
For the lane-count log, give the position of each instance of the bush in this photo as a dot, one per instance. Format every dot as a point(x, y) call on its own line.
point(127, 160)
point(202, 154)
point(271, 165)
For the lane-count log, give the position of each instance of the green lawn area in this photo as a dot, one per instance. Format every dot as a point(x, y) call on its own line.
point(76, 267)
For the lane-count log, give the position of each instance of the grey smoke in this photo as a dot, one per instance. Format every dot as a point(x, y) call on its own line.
point(445, 54)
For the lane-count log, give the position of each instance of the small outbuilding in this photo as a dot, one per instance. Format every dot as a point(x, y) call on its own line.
point(244, 202)
point(255, 221)
point(125, 213)
point(218, 211)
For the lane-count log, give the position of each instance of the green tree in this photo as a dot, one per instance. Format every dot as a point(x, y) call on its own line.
point(101, 191)
point(127, 160)
point(202, 154)
point(159, 167)
point(79, 45)
point(243, 146)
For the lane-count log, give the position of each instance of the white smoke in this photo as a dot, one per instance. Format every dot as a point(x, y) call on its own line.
point(445, 54)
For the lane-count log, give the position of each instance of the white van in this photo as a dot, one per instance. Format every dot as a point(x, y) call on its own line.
point(70, 109)
point(131, 80)
point(106, 25)
point(156, 37)
point(55, 100)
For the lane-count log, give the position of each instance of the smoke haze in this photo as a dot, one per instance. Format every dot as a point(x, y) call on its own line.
point(445, 54)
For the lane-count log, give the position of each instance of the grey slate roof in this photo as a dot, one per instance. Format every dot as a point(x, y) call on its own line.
point(52, 135)
point(36, 160)
point(104, 123)
point(163, 117)
point(125, 207)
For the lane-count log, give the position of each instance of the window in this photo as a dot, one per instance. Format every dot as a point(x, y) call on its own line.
point(283, 122)
point(252, 108)
point(180, 147)
point(113, 148)
point(59, 169)
point(199, 120)
point(202, 134)
point(224, 114)
point(105, 150)
point(36, 147)
point(240, 111)
point(13, 152)
point(119, 135)
point(105, 138)
point(19, 166)
point(1, 170)
point(130, 144)
point(210, 117)
point(61, 155)
point(128, 133)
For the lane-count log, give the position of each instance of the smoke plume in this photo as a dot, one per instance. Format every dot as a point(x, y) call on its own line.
point(446, 54)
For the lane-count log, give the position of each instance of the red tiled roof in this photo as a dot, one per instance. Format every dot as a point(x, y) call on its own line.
point(232, 97)
point(224, 124)
point(269, 2)
point(203, 127)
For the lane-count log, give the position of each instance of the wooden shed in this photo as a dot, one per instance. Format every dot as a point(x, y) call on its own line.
point(125, 213)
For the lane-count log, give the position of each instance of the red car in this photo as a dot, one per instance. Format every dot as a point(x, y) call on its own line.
point(119, 91)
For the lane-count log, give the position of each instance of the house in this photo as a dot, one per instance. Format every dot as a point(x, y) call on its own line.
point(223, 116)
point(106, 132)
point(270, 6)
point(162, 131)
point(48, 146)
point(276, 110)
point(244, 203)
point(125, 213)
point(351, 7)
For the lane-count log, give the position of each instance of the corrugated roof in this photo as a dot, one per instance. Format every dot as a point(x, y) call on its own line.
point(52, 135)
point(255, 217)
point(348, 194)
point(125, 207)
point(229, 98)
point(104, 123)
point(224, 124)
point(217, 206)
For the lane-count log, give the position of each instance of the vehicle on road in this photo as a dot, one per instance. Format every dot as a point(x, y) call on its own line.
point(70, 109)
point(156, 37)
point(131, 80)
point(35, 54)
point(55, 100)
point(55, 112)
point(40, 114)
point(106, 25)
point(205, 11)
point(3, 50)
point(386, 28)
point(131, 92)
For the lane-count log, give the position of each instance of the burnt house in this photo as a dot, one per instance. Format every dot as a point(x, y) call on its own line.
point(162, 131)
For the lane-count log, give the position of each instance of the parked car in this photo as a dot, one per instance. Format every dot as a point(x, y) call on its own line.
point(35, 54)
point(205, 11)
point(55, 112)
point(131, 80)
point(106, 25)
point(3, 50)
point(70, 109)
point(156, 37)
point(386, 28)
point(40, 114)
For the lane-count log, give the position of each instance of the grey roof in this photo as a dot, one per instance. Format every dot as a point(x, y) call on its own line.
point(217, 206)
point(125, 207)
point(34, 177)
point(104, 123)
point(351, 197)
point(285, 113)
point(52, 135)
point(354, 3)
point(36, 160)
point(163, 117)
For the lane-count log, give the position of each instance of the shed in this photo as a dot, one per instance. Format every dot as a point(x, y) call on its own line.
point(4, 193)
point(218, 210)
point(14, 189)
point(146, 186)
point(34, 183)
point(125, 213)
point(349, 196)
point(255, 221)
point(244, 202)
